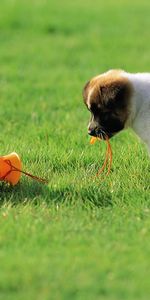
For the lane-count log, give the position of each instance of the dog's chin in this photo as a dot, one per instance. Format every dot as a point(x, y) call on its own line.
point(105, 136)
point(109, 135)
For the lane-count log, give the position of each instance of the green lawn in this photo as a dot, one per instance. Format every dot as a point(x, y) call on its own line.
point(78, 237)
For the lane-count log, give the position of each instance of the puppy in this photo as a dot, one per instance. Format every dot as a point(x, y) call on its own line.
point(117, 100)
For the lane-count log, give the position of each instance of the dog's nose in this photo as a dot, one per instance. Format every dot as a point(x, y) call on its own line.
point(92, 131)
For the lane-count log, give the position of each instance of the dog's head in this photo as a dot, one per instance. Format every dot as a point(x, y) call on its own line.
point(107, 97)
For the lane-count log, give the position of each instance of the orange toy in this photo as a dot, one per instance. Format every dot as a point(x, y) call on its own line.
point(7, 163)
point(10, 169)
point(94, 139)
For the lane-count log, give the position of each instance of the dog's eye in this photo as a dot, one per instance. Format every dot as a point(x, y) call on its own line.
point(105, 116)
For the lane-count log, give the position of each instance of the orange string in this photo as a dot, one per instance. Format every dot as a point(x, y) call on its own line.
point(105, 162)
point(108, 157)
point(13, 168)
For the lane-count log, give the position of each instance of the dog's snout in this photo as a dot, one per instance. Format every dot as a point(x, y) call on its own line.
point(92, 131)
point(93, 127)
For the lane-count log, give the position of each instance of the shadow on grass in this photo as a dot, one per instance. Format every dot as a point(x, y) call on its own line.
point(85, 195)
point(26, 191)
point(33, 192)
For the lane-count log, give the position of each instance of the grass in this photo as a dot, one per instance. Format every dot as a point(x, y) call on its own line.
point(75, 238)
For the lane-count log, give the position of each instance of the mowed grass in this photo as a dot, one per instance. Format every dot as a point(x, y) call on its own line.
point(77, 237)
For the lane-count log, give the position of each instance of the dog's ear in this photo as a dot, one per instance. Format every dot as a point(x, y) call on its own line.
point(116, 94)
point(85, 91)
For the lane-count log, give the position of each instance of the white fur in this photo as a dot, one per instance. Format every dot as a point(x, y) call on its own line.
point(139, 119)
